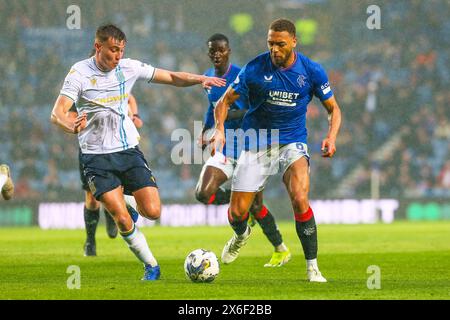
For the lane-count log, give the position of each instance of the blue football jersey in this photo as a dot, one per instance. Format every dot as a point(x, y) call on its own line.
point(214, 94)
point(278, 97)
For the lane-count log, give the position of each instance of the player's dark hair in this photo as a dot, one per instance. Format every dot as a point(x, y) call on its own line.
point(107, 31)
point(281, 25)
point(218, 37)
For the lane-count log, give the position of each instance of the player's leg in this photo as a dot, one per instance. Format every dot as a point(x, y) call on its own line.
point(91, 218)
point(296, 180)
point(237, 217)
point(138, 180)
point(217, 170)
point(207, 190)
point(266, 220)
point(115, 204)
point(148, 202)
point(106, 175)
point(249, 177)
point(91, 212)
point(6, 182)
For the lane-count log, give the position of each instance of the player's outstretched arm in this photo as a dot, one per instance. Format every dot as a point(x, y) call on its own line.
point(185, 79)
point(334, 120)
point(220, 115)
point(62, 117)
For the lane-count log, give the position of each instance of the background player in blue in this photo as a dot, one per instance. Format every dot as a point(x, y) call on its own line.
point(279, 85)
point(214, 182)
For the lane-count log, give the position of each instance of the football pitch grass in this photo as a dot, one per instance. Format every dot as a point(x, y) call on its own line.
point(413, 260)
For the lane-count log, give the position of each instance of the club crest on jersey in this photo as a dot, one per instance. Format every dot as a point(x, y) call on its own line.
point(301, 80)
point(93, 81)
point(268, 78)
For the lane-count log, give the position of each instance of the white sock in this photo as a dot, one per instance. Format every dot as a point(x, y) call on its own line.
point(3, 179)
point(130, 201)
point(138, 245)
point(311, 263)
point(281, 248)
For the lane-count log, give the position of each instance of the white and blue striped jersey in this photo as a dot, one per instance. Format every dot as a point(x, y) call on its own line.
point(103, 96)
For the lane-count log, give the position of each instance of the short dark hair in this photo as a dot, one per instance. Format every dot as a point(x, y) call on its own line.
point(282, 24)
point(107, 31)
point(218, 37)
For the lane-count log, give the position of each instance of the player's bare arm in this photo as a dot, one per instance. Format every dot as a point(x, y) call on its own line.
point(185, 79)
point(334, 120)
point(133, 112)
point(61, 116)
point(220, 115)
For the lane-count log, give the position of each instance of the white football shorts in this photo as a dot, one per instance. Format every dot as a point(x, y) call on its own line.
point(254, 168)
point(225, 164)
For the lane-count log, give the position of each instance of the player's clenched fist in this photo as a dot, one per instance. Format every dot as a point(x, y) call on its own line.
point(80, 123)
point(328, 148)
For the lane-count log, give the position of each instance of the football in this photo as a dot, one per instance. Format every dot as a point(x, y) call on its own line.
point(201, 266)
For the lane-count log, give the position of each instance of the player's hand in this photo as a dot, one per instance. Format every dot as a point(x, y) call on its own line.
point(201, 143)
point(217, 141)
point(80, 123)
point(138, 123)
point(209, 82)
point(328, 148)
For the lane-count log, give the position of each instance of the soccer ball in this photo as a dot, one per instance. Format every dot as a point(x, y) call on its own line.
point(201, 266)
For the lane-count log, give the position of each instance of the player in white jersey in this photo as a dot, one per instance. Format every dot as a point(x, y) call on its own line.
point(6, 182)
point(113, 164)
point(92, 208)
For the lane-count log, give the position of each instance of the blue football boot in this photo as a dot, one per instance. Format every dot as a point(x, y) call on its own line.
point(151, 273)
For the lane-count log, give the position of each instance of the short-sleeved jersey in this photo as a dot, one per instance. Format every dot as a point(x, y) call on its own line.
point(103, 96)
point(278, 97)
point(214, 94)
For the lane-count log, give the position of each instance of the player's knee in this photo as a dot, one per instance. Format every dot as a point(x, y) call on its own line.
point(300, 203)
point(238, 212)
point(203, 195)
point(150, 211)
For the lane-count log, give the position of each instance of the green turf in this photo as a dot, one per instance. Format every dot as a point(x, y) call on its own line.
point(414, 259)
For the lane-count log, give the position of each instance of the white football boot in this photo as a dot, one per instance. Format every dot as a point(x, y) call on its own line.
point(314, 275)
point(8, 188)
point(231, 250)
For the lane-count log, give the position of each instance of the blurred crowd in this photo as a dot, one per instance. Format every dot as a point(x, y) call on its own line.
point(388, 82)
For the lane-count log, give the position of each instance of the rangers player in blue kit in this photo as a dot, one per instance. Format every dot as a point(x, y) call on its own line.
point(215, 179)
point(279, 85)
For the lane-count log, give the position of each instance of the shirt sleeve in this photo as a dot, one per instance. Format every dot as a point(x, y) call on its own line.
point(143, 70)
point(72, 86)
point(239, 84)
point(321, 85)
